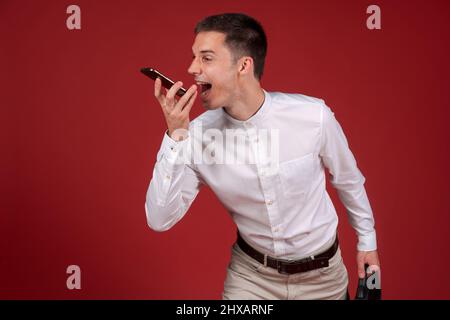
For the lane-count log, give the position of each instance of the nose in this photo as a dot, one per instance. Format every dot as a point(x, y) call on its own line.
point(194, 68)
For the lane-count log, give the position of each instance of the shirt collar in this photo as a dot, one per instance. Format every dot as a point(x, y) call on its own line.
point(254, 119)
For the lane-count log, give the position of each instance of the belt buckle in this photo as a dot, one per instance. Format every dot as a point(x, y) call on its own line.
point(282, 266)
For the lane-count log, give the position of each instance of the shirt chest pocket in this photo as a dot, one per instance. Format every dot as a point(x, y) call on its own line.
point(296, 175)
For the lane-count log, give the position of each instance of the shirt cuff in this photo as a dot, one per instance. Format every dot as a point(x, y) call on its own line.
point(367, 242)
point(172, 150)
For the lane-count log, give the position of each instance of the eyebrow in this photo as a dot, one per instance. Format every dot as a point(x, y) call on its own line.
point(207, 51)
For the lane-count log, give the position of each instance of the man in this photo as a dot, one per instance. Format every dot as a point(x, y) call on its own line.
point(287, 245)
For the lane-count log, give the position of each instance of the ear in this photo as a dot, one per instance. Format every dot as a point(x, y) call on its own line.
point(245, 65)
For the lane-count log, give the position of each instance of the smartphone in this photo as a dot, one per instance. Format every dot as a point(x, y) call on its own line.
point(166, 82)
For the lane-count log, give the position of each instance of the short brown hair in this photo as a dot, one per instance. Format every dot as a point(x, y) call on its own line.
point(243, 35)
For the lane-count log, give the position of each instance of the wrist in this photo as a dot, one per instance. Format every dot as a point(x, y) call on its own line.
point(178, 134)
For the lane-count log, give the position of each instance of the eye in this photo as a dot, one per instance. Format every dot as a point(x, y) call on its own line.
point(206, 59)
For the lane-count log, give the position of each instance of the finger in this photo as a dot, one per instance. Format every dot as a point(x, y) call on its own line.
point(361, 271)
point(185, 98)
point(170, 96)
point(374, 268)
point(157, 90)
point(160, 96)
point(190, 103)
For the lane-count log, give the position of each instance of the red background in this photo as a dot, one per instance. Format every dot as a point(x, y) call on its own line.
point(81, 130)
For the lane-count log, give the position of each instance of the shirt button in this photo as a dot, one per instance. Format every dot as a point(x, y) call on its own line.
point(168, 177)
point(269, 202)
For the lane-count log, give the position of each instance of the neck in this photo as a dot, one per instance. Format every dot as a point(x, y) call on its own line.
point(247, 102)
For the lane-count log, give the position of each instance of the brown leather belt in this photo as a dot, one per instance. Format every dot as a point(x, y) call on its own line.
point(290, 266)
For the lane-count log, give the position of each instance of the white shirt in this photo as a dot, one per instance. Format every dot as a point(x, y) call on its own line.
point(278, 200)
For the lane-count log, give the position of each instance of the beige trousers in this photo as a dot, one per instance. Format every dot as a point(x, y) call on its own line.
point(247, 279)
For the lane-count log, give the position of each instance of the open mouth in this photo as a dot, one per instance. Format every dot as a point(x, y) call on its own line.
point(205, 87)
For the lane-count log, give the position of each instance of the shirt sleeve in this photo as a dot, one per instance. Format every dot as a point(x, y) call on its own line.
point(173, 187)
point(347, 179)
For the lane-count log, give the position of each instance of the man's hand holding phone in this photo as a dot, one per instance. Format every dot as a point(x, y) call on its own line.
point(176, 111)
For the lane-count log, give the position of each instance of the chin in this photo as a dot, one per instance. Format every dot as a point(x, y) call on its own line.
point(208, 106)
